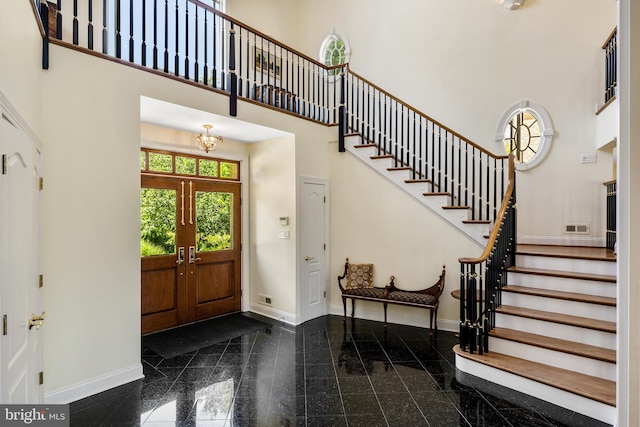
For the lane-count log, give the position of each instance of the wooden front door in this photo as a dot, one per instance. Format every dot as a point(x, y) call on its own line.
point(190, 250)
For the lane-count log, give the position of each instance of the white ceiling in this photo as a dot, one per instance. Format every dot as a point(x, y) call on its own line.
point(166, 114)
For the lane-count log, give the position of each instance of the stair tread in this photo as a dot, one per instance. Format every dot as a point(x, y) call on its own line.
point(382, 156)
point(565, 274)
point(399, 168)
point(417, 181)
point(437, 193)
point(572, 252)
point(593, 388)
point(456, 207)
point(582, 322)
point(569, 296)
point(569, 347)
point(476, 221)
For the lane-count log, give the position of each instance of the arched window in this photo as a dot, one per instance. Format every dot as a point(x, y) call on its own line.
point(334, 51)
point(525, 130)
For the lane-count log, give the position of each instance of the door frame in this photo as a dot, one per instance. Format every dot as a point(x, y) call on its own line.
point(245, 280)
point(300, 316)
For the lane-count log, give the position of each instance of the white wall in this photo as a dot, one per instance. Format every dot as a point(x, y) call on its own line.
point(21, 63)
point(373, 222)
point(465, 62)
point(273, 260)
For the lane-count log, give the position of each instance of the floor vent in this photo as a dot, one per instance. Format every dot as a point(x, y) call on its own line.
point(577, 228)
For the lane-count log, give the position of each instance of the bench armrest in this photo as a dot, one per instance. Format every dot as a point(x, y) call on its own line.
point(436, 289)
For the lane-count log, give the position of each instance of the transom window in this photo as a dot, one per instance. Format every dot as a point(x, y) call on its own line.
point(167, 163)
point(525, 131)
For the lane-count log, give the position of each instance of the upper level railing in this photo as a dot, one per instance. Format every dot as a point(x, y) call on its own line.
point(611, 232)
point(610, 48)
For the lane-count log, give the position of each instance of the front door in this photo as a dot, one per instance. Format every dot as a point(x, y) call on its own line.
point(190, 248)
point(21, 354)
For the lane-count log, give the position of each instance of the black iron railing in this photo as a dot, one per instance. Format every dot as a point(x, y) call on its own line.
point(611, 214)
point(445, 161)
point(482, 278)
point(610, 48)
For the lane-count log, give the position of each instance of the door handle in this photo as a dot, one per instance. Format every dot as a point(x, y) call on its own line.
point(308, 258)
point(180, 259)
point(192, 255)
point(36, 321)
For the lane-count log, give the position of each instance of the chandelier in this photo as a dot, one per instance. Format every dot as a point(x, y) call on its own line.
point(208, 142)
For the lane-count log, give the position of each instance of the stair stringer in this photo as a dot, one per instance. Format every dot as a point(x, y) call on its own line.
point(435, 203)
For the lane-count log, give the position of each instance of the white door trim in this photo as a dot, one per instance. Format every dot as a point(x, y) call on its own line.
point(300, 316)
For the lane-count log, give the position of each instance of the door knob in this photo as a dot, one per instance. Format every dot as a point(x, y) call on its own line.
point(308, 258)
point(36, 321)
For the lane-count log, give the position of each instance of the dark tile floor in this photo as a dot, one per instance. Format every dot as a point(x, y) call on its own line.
point(320, 373)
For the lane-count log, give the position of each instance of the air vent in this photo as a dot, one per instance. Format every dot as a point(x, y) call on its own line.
point(577, 228)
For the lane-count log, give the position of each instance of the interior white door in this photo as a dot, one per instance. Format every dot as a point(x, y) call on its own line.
point(21, 358)
point(313, 248)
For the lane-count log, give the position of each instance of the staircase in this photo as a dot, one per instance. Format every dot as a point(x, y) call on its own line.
point(437, 201)
point(555, 335)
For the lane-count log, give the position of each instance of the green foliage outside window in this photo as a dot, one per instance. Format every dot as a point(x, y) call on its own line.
point(334, 53)
point(157, 222)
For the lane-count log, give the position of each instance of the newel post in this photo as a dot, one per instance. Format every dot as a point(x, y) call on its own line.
point(233, 78)
point(44, 17)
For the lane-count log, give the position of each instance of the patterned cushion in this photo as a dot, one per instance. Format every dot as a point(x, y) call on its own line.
point(365, 292)
point(412, 297)
point(360, 276)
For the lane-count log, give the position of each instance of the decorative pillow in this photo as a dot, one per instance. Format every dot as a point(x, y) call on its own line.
point(360, 276)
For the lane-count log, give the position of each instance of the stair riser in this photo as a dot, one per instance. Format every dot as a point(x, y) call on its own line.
point(573, 308)
point(589, 287)
point(556, 330)
point(567, 264)
point(558, 359)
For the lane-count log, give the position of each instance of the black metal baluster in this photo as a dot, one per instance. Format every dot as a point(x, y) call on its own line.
point(75, 22)
point(186, 39)
point(487, 190)
point(480, 199)
point(205, 69)
point(118, 35)
point(196, 65)
point(143, 49)
point(459, 170)
point(473, 177)
point(233, 78)
point(341, 115)
point(131, 44)
point(155, 34)
point(90, 26)
point(59, 20)
point(466, 175)
point(176, 57)
point(166, 36)
point(214, 78)
point(446, 166)
point(248, 62)
point(223, 69)
point(239, 71)
point(105, 34)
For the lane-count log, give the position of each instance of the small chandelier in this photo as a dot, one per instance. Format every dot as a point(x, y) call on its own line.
point(208, 142)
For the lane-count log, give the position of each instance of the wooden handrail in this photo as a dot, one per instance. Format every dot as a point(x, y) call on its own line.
point(613, 181)
point(611, 36)
point(437, 123)
point(496, 226)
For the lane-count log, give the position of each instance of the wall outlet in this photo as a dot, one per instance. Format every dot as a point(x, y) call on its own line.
point(264, 299)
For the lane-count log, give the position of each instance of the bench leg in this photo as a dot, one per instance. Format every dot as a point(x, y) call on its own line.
point(344, 305)
point(353, 307)
point(385, 315)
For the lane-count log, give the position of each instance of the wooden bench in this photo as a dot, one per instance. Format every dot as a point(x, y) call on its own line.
point(359, 286)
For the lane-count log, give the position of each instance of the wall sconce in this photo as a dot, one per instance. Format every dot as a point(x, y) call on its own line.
point(512, 4)
point(208, 142)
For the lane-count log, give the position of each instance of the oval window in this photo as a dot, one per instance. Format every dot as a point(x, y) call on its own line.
point(525, 130)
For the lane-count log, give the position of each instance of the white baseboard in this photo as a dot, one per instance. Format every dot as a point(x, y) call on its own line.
point(267, 311)
point(589, 241)
point(412, 317)
point(94, 386)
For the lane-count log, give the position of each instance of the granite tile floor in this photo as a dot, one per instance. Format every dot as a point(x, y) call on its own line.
point(320, 373)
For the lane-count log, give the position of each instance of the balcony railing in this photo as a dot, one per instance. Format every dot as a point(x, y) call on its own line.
point(611, 214)
point(610, 48)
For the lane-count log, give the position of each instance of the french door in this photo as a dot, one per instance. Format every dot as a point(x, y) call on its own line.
point(190, 250)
